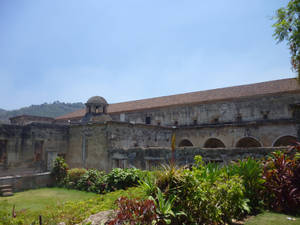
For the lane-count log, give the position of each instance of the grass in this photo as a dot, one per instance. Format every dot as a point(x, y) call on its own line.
point(270, 218)
point(58, 204)
point(40, 199)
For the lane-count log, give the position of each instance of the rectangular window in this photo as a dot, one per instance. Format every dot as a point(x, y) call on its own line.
point(120, 163)
point(195, 122)
point(38, 150)
point(122, 117)
point(148, 120)
point(239, 117)
point(3, 152)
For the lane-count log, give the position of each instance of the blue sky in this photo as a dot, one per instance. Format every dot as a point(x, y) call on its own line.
point(131, 49)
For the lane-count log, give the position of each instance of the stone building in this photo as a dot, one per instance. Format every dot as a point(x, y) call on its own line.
point(221, 124)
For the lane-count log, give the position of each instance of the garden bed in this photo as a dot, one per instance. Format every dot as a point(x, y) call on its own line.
point(58, 205)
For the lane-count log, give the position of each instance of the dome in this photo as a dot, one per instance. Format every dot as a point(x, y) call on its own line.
point(96, 100)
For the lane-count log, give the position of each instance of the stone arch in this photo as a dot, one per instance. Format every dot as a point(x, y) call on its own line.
point(185, 143)
point(285, 141)
point(214, 143)
point(248, 142)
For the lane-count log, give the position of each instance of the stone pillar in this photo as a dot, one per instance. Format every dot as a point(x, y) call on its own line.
point(296, 116)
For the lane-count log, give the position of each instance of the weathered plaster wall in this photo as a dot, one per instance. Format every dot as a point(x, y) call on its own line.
point(87, 146)
point(126, 135)
point(88, 143)
point(31, 148)
point(275, 107)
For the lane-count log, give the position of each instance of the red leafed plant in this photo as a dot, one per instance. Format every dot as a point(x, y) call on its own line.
point(134, 211)
point(282, 180)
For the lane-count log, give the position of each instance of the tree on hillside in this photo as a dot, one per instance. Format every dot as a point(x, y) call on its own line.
point(287, 28)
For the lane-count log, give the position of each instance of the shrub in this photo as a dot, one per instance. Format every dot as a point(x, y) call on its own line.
point(122, 178)
point(134, 211)
point(74, 175)
point(207, 194)
point(169, 178)
point(215, 201)
point(282, 181)
point(59, 170)
point(148, 184)
point(89, 180)
point(250, 170)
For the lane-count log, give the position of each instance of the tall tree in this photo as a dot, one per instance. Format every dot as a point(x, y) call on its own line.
point(287, 28)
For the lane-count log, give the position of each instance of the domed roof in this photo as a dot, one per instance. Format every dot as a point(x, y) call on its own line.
point(97, 100)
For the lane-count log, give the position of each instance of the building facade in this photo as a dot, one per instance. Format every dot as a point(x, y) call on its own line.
point(222, 125)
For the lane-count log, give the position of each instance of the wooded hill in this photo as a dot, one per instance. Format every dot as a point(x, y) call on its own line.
point(54, 109)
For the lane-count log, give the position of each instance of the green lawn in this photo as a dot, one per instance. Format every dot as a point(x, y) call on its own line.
point(58, 204)
point(270, 218)
point(39, 199)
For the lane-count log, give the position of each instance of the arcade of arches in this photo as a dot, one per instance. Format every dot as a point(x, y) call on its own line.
point(214, 143)
point(285, 141)
point(185, 143)
point(245, 142)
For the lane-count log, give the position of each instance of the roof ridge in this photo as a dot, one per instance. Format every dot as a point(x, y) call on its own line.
point(214, 89)
point(204, 96)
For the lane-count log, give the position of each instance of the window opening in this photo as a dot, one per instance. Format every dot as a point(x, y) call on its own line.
point(148, 120)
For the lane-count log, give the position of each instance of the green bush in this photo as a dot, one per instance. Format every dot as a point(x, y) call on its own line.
point(89, 180)
point(250, 170)
point(207, 194)
point(122, 178)
point(210, 196)
point(73, 176)
point(96, 181)
point(59, 170)
point(214, 203)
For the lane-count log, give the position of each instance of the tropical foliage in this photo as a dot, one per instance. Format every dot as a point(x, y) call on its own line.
point(282, 182)
point(207, 193)
point(287, 28)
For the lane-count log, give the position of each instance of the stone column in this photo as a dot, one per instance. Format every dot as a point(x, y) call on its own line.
point(296, 116)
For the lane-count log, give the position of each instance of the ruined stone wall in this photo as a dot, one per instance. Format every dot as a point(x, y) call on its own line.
point(28, 181)
point(266, 133)
point(148, 158)
point(88, 146)
point(30, 148)
point(248, 109)
point(89, 143)
point(126, 135)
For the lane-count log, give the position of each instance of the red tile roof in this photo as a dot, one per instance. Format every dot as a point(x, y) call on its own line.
point(221, 94)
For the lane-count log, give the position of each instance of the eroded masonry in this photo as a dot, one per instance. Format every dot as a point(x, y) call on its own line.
point(221, 125)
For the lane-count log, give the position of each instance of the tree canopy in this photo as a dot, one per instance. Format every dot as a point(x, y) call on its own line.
point(287, 28)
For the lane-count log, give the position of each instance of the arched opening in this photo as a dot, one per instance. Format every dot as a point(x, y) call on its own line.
point(285, 141)
point(248, 142)
point(214, 143)
point(185, 143)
